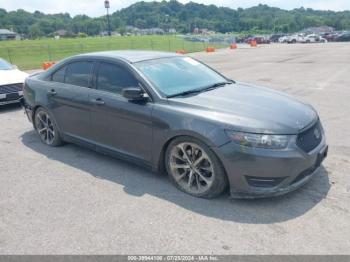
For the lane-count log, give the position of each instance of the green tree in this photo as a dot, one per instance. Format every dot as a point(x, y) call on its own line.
point(35, 31)
point(173, 14)
point(121, 30)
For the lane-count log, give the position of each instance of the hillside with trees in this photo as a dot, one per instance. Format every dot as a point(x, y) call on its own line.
point(172, 14)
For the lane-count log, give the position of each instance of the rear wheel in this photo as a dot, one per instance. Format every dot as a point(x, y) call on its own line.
point(46, 128)
point(194, 168)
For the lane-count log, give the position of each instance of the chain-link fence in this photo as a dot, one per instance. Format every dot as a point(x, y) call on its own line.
point(32, 56)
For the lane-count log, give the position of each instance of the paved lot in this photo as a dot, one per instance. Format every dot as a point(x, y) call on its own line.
point(70, 200)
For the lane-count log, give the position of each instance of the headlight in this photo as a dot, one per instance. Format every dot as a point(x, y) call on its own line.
point(259, 140)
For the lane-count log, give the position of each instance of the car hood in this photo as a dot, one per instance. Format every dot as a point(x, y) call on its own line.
point(13, 76)
point(249, 108)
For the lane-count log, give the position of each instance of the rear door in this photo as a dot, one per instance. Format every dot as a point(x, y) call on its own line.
point(69, 95)
point(120, 125)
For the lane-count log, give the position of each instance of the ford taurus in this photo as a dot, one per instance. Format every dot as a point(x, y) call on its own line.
point(172, 113)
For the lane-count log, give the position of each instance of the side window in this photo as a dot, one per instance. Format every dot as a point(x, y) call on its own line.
point(79, 73)
point(113, 78)
point(58, 76)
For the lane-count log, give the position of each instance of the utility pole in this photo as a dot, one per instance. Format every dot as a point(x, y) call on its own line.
point(107, 6)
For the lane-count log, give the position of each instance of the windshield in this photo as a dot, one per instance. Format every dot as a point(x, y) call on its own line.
point(5, 65)
point(176, 75)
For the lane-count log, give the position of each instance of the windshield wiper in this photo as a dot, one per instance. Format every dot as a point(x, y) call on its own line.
point(200, 90)
point(213, 86)
point(193, 91)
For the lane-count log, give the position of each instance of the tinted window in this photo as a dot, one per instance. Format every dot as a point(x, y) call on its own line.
point(78, 73)
point(114, 78)
point(58, 76)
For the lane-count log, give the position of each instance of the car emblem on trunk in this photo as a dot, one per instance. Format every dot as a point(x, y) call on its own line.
point(317, 133)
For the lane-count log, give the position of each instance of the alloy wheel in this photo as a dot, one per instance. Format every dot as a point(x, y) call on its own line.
point(45, 127)
point(191, 167)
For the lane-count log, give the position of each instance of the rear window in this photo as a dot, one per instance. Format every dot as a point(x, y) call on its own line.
point(58, 76)
point(78, 74)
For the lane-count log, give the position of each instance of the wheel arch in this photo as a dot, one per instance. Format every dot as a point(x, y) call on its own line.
point(161, 158)
point(38, 106)
point(34, 109)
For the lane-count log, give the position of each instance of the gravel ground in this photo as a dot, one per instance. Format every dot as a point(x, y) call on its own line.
point(70, 200)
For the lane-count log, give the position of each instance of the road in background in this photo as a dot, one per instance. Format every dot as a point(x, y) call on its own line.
point(70, 200)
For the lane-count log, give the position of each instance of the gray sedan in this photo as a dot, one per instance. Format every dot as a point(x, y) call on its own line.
point(173, 114)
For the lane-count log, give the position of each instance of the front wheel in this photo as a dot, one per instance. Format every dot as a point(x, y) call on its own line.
point(194, 168)
point(46, 128)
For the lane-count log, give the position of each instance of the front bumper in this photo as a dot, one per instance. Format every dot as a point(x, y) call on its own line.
point(256, 173)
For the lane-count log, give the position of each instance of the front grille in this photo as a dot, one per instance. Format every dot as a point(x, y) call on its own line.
point(310, 138)
point(264, 181)
point(12, 96)
point(12, 88)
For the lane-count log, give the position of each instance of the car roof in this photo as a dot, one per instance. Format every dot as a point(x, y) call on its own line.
point(132, 56)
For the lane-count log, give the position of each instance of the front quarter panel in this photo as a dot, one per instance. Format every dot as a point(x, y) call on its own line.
point(170, 122)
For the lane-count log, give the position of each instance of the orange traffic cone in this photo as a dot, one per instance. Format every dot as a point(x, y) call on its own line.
point(47, 65)
point(210, 49)
point(182, 52)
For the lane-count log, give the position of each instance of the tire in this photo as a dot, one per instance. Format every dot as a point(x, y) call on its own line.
point(194, 168)
point(46, 128)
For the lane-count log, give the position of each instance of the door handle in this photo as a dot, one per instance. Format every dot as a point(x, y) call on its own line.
point(98, 101)
point(52, 92)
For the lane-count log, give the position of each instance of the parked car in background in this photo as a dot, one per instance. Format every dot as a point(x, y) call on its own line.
point(262, 40)
point(283, 39)
point(259, 40)
point(243, 39)
point(275, 38)
point(330, 37)
point(343, 37)
point(313, 38)
point(11, 83)
point(174, 114)
point(297, 38)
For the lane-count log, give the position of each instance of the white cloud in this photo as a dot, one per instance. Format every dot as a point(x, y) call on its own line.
point(96, 7)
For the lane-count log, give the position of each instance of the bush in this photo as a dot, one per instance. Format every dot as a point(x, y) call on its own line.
point(82, 35)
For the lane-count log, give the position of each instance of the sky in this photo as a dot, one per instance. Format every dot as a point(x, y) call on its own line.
point(96, 7)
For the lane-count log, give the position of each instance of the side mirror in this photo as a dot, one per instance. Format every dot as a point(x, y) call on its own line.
point(133, 93)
